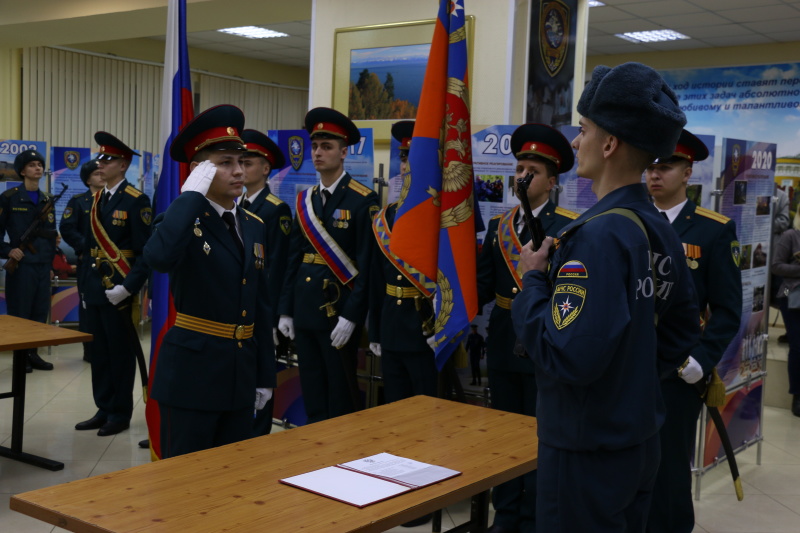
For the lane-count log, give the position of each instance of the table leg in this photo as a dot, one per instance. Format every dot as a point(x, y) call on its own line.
point(436, 526)
point(18, 418)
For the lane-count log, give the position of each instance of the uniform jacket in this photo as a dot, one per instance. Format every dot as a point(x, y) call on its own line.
point(302, 296)
point(17, 213)
point(394, 322)
point(126, 218)
point(74, 226)
point(494, 278)
point(210, 280)
point(277, 217)
point(592, 337)
point(716, 275)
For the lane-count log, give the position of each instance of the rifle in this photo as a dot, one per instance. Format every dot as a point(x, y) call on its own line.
point(533, 223)
point(33, 231)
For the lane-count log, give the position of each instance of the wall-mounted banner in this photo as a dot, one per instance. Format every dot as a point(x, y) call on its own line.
point(748, 173)
point(9, 149)
point(551, 61)
point(66, 163)
point(299, 172)
point(764, 99)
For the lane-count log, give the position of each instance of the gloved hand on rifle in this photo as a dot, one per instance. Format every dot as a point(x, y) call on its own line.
point(342, 332)
point(375, 348)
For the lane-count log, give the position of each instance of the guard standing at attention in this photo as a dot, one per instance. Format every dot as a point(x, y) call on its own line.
point(28, 286)
point(261, 157)
point(119, 227)
point(325, 298)
point(712, 254)
point(75, 229)
point(217, 363)
point(543, 152)
point(615, 309)
point(400, 303)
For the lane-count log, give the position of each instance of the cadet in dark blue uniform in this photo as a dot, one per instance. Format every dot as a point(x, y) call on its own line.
point(544, 152)
point(589, 323)
point(396, 332)
point(28, 287)
point(261, 157)
point(219, 356)
point(325, 296)
point(712, 254)
point(118, 229)
point(74, 228)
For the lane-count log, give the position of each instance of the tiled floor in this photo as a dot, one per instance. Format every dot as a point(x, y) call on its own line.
point(58, 399)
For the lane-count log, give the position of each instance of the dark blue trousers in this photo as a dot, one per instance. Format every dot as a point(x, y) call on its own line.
point(601, 491)
point(515, 501)
point(407, 374)
point(189, 430)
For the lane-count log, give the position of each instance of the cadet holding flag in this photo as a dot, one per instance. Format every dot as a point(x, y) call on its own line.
point(712, 253)
point(75, 230)
point(542, 152)
point(400, 304)
point(28, 286)
point(119, 226)
point(217, 362)
point(589, 320)
point(325, 297)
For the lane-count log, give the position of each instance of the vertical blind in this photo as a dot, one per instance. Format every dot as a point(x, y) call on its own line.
point(67, 96)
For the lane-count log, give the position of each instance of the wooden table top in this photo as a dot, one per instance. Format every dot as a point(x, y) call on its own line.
point(235, 488)
point(19, 334)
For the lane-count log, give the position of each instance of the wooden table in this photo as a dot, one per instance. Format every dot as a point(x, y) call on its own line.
point(19, 334)
point(235, 488)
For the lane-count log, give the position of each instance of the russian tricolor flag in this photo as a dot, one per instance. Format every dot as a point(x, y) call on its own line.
point(176, 110)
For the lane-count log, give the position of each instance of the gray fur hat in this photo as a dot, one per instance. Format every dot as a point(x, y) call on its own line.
point(633, 102)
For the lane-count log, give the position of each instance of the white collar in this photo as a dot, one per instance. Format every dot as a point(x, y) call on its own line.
point(674, 211)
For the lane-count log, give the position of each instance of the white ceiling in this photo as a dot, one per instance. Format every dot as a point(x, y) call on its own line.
point(709, 23)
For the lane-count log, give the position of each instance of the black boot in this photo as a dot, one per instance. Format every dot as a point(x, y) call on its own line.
point(796, 405)
point(37, 362)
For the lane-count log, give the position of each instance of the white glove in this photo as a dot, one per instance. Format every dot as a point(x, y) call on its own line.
point(200, 178)
point(431, 342)
point(286, 326)
point(117, 294)
point(375, 348)
point(262, 397)
point(275, 336)
point(692, 372)
point(341, 333)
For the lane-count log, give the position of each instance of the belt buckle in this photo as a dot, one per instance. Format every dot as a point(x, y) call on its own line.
point(238, 333)
point(398, 291)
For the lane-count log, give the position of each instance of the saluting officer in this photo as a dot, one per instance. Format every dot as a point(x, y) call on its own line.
point(400, 301)
point(543, 152)
point(217, 362)
point(118, 229)
point(28, 287)
point(261, 157)
point(325, 297)
point(74, 228)
point(712, 253)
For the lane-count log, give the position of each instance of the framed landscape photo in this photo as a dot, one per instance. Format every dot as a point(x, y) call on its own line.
point(378, 72)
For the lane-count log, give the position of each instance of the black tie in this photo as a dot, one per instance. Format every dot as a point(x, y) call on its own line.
point(326, 195)
point(107, 198)
point(664, 214)
point(246, 203)
point(227, 216)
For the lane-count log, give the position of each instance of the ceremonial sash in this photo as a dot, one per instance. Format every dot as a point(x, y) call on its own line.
point(114, 255)
point(342, 266)
point(383, 234)
point(510, 246)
